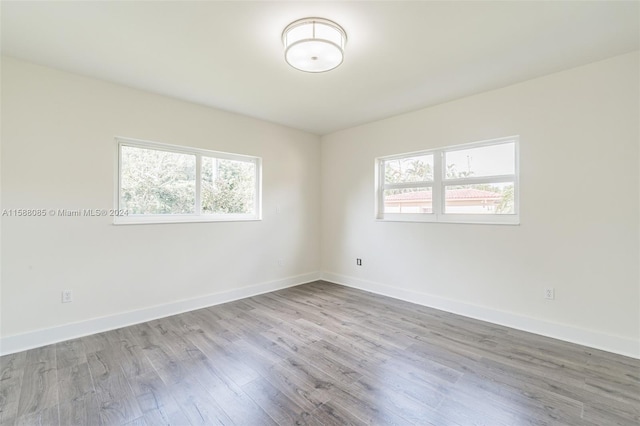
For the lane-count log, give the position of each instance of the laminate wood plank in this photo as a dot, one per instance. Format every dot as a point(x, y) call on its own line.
point(6, 420)
point(249, 323)
point(298, 309)
point(133, 360)
point(198, 322)
point(412, 403)
point(286, 341)
point(45, 417)
point(103, 365)
point(95, 342)
point(156, 400)
point(128, 352)
point(602, 412)
point(233, 309)
point(398, 338)
point(118, 411)
point(269, 348)
point(235, 403)
point(185, 324)
point(258, 359)
point(38, 389)
point(12, 365)
point(154, 348)
point(277, 405)
point(182, 346)
point(344, 356)
point(537, 363)
point(268, 318)
point(70, 353)
point(628, 392)
point(214, 327)
point(319, 354)
point(474, 413)
point(140, 421)
point(500, 407)
point(274, 307)
point(198, 406)
point(161, 417)
point(493, 370)
point(338, 371)
point(542, 406)
point(74, 382)
point(358, 335)
point(43, 355)
point(83, 411)
point(370, 409)
point(306, 391)
point(422, 370)
point(454, 358)
point(343, 342)
point(310, 332)
point(9, 397)
point(234, 368)
point(152, 393)
point(409, 381)
point(317, 300)
point(521, 378)
point(117, 404)
point(327, 318)
point(612, 365)
point(330, 414)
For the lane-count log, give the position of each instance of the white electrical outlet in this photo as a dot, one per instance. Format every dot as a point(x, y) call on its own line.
point(280, 262)
point(67, 296)
point(549, 293)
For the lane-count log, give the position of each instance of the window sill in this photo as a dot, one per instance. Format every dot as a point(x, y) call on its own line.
point(162, 219)
point(453, 219)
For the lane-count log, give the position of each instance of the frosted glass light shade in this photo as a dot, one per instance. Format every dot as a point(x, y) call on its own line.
point(314, 44)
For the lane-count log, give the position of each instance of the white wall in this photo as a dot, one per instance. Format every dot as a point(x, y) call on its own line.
point(579, 229)
point(58, 151)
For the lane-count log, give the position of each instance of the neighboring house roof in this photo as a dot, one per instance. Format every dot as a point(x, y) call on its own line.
point(451, 194)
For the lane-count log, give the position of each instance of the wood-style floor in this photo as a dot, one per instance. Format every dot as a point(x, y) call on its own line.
point(318, 354)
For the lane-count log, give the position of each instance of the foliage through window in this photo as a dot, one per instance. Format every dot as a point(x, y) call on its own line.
point(164, 183)
point(474, 183)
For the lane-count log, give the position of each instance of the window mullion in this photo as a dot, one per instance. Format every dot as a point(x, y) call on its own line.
point(436, 198)
point(479, 180)
point(408, 185)
point(382, 187)
point(198, 210)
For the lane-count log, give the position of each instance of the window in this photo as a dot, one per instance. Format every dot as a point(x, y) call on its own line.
point(472, 183)
point(160, 183)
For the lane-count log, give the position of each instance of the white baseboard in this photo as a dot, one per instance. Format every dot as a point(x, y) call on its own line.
point(42, 337)
point(593, 339)
point(47, 336)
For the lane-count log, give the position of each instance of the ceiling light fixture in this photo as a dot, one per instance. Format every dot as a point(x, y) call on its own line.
point(314, 44)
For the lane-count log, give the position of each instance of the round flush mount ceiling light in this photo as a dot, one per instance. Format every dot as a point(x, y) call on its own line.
point(314, 44)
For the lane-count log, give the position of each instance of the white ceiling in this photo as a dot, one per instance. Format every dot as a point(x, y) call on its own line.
point(400, 56)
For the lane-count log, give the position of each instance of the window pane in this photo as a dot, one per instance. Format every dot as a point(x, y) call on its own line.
point(228, 186)
point(157, 182)
point(408, 200)
point(493, 160)
point(409, 169)
point(495, 198)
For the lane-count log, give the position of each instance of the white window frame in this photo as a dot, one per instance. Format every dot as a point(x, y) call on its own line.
point(440, 182)
point(197, 216)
